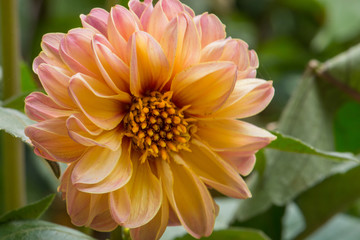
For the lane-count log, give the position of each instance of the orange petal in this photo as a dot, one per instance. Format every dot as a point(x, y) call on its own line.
point(214, 171)
point(154, 229)
point(119, 176)
point(243, 162)
point(40, 107)
point(55, 81)
point(95, 165)
point(149, 68)
point(210, 28)
point(120, 205)
point(232, 135)
point(145, 195)
point(250, 96)
point(76, 51)
point(96, 20)
point(98, 102)
point(52, 141)
point(189, 198)
point(205, 86)
point(115, 72)
point(181, 43)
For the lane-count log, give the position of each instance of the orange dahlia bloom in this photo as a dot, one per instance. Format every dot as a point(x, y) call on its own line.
point(142, 105)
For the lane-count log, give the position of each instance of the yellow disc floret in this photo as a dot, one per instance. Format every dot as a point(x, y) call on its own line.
point(157, 127)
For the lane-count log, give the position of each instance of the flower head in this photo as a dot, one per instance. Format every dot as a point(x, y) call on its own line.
point(142, 106)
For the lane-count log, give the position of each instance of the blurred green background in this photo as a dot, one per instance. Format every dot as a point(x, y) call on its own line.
point(286, 35)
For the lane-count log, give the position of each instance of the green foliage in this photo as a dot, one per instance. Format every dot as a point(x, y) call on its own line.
point(40, 230)
point(31, 211)
point(232, 234)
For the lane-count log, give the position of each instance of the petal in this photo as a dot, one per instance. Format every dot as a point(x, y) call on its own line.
point(55, 81)
point(96, 20)
point(157, 22)
point(40, 107)
point(120, 205)
point(232, 135)
point(214, 171)
point(181, 43)
point(154, 229)
point(145, 195)
point(98, 102)
point(204, 86)
point(115, 72)
point(210, 28)
point(189, 198)
point(103, 222)
point(83, 131)
point(250, 96)
point(76, 51)
point(52, 141)
point(149, 68)
point(171, 8)
point(95, 165)
point(143, 10)
point(119, 176)
point(243, 162)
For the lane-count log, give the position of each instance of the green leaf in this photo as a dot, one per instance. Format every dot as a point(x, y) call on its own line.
point(14, 122)
point(291, 144)
point(232, 234)
point(331, 196)
point(27, 82)
point(39, 230)
point(31, 211)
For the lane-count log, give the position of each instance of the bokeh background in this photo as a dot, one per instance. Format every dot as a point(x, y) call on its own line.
point(286, 35)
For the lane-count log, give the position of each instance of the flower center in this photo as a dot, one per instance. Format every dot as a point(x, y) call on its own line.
point(157, 127)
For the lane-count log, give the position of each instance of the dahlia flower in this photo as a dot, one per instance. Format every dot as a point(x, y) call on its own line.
point(141, 105)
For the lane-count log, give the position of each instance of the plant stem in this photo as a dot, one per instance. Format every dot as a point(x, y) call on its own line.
point(12, 152)
point(117, 234)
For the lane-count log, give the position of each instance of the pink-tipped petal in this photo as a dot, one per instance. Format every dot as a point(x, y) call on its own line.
point(55, 81)
point(230, 134)
point(103, 222)
point(214, 171)
point(250, 96)
point(40, 107)
point(95, 165)
point(243, 163)
point(52, 141)
point(98, 102)
point(204, 86)
point(210, 28)
point(171, 8)
point(115, 72)
point(76, 52)
point(157, 22)
point(96, 20)
point(181, 43)
point(149, 68)
point(120, 205)
point(139, 7)
point(188, 197)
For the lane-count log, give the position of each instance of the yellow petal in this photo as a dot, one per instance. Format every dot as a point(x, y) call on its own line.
point(52, 141)
point(95, 165)
point(205, 86)
point(250, 96)
point(119, 176)
point(154, 229)
point(103, 222)
point(189, 198)
point(120, 205)
point(98, 102)
point(40, 107)
point(229, 134)
point(145, 195)
point(215, 171)
point(149, 68)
